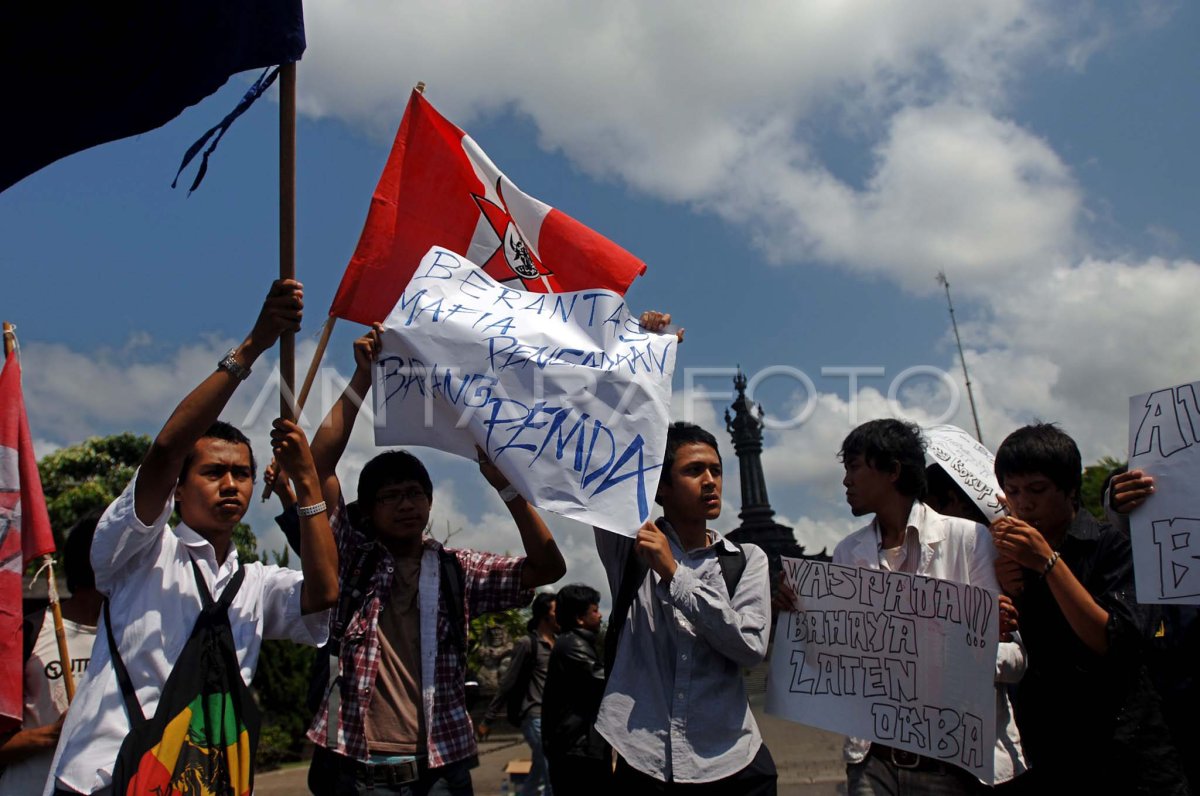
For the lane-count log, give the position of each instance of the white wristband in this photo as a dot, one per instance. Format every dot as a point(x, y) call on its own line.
point(311, 511)
point(509, 493)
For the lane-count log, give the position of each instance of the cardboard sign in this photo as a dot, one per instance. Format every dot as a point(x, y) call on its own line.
point(893, 658)
point(1164, 432)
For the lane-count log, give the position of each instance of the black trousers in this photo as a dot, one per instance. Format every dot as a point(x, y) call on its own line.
point(580, 776)
point(756, 779)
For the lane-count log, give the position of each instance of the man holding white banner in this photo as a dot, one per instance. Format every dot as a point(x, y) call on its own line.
point(394, 715)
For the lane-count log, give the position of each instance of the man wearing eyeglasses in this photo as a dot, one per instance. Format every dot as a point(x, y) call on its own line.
point(393, 719)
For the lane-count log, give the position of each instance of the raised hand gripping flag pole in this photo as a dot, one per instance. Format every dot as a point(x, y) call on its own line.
point(24, 535)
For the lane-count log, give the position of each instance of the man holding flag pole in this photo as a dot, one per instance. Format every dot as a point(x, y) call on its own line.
point(166, 704)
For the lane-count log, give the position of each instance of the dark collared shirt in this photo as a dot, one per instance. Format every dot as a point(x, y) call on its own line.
point(1091, 721)
point(531, 701)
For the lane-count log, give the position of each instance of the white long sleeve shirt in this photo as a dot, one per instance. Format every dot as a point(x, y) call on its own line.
point(146, 573)
point(958, 550)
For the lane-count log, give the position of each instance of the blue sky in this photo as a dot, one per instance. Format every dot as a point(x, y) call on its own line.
point(793, 175)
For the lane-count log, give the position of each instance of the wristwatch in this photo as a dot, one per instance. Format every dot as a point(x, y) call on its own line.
point(230, 365)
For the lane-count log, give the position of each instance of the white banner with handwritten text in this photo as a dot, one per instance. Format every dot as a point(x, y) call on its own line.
point(566, 393)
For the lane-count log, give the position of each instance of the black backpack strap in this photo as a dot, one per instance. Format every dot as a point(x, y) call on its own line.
point(132, 707)
point(230, 591)
point(733, 564)
point(31, 628)
point(452, 584)
point(354, 588)
point(631, 580)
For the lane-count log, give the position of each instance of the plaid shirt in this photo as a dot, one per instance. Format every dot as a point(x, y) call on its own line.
point(491, 583)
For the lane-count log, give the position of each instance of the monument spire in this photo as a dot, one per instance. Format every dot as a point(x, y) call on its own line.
point(746, 426)
point(758, 526)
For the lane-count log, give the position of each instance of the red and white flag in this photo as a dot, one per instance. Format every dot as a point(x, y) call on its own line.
point(24, 534)
point(440, 189)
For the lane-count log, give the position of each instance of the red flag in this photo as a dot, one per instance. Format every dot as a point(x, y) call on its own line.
point(24, 534)
point(440, 189)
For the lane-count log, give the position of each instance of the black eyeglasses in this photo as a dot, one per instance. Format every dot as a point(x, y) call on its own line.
point(397, 496)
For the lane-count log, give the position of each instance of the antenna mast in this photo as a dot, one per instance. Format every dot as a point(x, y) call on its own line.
point(944, 282)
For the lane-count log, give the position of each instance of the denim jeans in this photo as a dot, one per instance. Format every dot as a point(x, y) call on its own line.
point(531, 728)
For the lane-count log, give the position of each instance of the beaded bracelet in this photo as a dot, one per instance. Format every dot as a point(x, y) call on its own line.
point(311, 511)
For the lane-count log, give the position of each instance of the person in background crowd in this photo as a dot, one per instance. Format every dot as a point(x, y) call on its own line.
point(580, 759)
point(519, 697)
point(26, 753)
point(1090, 719)
point(947, 498)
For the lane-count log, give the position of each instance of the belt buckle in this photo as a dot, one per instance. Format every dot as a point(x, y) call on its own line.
point(902, 758)
point(402, 773)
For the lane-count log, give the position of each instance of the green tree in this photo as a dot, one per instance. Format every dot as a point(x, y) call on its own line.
point(87, 477)
point(246, 543)
point(281, 685)
point(1091, 493)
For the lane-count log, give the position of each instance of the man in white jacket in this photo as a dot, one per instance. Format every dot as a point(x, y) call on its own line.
point(885, 476)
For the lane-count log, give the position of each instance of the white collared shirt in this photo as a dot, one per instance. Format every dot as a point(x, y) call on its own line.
point(959, 550)
point(146, 573)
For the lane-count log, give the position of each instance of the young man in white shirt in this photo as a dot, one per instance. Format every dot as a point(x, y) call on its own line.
point(885, 476)
point(205, 469)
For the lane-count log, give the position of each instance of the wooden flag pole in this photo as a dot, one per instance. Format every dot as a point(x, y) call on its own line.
point(287, 243)
point(60, 632)
point(309, 378)
point(287, 229)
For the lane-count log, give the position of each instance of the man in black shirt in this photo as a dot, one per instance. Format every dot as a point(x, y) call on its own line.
point(1089, 718)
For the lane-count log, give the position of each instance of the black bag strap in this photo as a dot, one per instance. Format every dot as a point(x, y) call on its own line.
point(132, 706)
point(731, 562)
point(631, 580)
point(451, 583)
point(354, 589)
point(230, 591)
point(128, 694)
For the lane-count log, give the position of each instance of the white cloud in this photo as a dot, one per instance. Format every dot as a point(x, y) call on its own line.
point(1072, 345)
point(724, 106)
